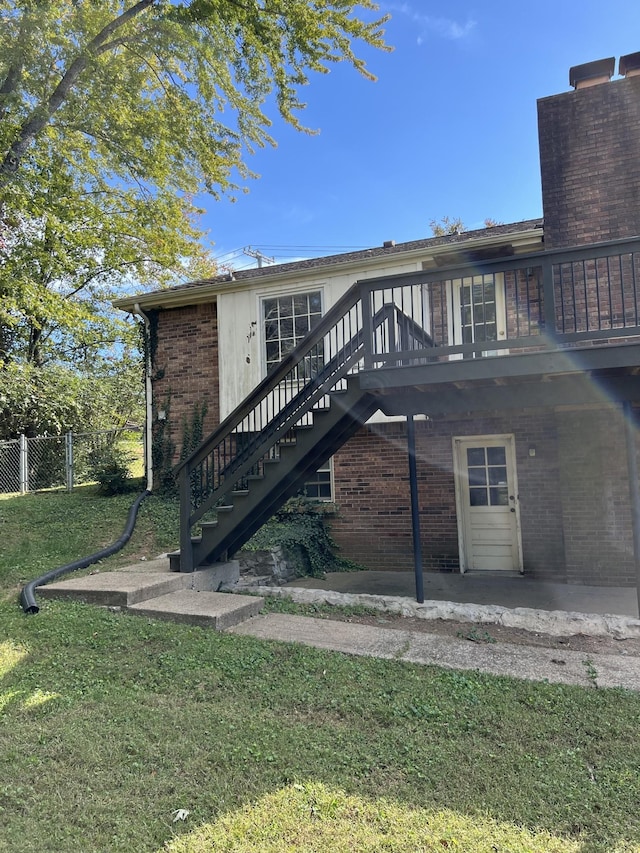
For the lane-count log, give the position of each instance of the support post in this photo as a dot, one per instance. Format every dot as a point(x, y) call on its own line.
point(186, 547)
point(24, 465)
point(68, 458)
point(415, 509)
point(634, 489)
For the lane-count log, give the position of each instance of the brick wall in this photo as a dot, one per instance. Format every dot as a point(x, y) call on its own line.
point(185, 366)
point(372, 491)
point(589, 163)
point(595, 497)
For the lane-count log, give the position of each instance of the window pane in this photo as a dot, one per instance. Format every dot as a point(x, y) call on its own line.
point(286, 307)
point(273, 351)
point(498, 476)
point(270, 307)
point(499, 496)
point(271, 330)
point(496, 456)
point(475, 456)
point(302, 326)
point(286, 328)
point(477, 476)
point(478, 497)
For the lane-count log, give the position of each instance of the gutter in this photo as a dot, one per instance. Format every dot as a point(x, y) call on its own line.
point(148, 395)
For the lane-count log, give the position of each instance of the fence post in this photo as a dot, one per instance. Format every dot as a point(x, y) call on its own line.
point(68, 457)
point(24, 465)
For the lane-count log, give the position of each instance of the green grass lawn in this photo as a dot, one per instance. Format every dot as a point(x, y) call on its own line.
point(111, 724)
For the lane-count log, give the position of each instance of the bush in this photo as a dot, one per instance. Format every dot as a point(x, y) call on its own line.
point(109, 465)
point(299, 528)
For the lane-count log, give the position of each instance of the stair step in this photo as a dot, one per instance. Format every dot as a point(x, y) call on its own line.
point(207, 525)
point(218, 610)
point(116, 589)
point(238, 493)
point(225, 508)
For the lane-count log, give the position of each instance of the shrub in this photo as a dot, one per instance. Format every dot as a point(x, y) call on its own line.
point(109, 465)
point(300, 529)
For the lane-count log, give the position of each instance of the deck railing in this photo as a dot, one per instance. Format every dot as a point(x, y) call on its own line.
point(549, 300)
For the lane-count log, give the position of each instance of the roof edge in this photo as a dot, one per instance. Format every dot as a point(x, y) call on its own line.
point(206, 290)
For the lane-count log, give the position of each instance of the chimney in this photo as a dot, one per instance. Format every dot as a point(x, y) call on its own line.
point(629, 65)
point(589, 155)
point(592, 73)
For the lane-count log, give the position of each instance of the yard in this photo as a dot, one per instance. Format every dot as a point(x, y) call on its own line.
point(122, 734)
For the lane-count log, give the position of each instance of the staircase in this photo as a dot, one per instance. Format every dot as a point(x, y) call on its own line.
point(302, 413)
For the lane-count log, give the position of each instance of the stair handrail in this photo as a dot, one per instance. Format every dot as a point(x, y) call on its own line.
point(272, 379)
point(214, 455)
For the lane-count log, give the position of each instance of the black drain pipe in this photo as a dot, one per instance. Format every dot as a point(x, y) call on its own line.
point(27, 596)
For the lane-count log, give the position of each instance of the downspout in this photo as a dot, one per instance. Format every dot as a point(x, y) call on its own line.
point(148, 394)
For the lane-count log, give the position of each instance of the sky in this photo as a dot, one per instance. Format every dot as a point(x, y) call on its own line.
point(448, 129)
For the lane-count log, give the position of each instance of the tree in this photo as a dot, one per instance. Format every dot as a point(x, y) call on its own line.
point(137, 91)
point(113, 116)
point(447, 225)
point(67, 252)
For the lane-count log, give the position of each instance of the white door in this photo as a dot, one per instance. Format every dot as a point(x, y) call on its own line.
point(487, 503)
point(477, 312)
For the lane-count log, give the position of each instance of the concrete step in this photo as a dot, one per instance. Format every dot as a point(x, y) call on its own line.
point(218, 610)
point(116, 589)
point(191, 598)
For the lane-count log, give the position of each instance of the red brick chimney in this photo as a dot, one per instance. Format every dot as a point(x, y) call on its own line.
point(590, 155)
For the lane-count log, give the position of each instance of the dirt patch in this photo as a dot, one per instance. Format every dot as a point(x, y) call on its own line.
point(497, 633)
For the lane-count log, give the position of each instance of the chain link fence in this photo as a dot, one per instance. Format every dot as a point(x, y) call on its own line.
point(57, 461)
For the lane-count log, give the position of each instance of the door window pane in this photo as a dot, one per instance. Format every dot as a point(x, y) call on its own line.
point(478, 497)
point(497, 455)
point(475, 456)
point(498, 476)
point(498, 496)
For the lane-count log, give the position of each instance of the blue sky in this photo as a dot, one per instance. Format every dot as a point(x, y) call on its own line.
point(449, 128)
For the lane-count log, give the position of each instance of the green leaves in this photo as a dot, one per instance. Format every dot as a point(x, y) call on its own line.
point(113, 116)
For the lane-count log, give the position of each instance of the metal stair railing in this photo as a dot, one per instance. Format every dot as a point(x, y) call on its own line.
point(254, 432)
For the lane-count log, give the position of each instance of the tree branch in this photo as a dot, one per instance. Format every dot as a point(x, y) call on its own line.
point(41, 115)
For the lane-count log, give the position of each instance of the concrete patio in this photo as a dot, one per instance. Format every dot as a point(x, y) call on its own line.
point(506, 591)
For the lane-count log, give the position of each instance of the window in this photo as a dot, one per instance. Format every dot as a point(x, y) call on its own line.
point(287, 320)
point(320, 487)
point(487, 472)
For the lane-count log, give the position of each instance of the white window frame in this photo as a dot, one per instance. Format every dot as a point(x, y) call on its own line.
point(289, 293)
point(328, 466)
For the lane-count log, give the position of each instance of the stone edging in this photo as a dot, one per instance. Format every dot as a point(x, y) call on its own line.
point(558, 623)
